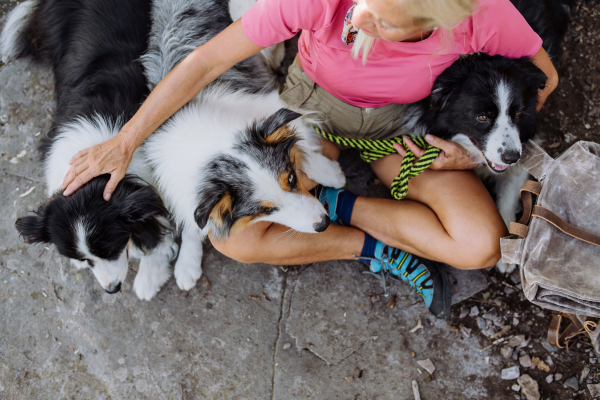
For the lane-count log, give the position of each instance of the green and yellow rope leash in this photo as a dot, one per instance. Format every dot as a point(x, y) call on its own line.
point(371, 150)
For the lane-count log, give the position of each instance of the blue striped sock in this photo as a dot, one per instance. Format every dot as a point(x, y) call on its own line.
point(368, 247)
point(345, 206)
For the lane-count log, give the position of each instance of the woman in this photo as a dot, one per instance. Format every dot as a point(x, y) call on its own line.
point(448, 215)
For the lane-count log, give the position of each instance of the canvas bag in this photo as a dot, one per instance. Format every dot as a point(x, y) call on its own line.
point(557, 241)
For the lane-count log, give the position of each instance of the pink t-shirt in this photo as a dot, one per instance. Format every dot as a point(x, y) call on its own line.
point(396, 72)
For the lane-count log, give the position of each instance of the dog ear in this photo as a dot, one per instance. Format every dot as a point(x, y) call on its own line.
point(448, 85)
point(534, 80)
point(141, 208)
point(275, 121)
point(216, 204)
point(534, 77)
point(33, 229)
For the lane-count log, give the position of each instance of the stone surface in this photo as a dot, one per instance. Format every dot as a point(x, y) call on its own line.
point(572, 383)
point(517, 341)
point(548, 346)
point(529, 387)
point(510, 373)
point(594, 390)
point(525, 361)
point(506, 351)
point(474, 311)
point(427, 365)
point(557, 377)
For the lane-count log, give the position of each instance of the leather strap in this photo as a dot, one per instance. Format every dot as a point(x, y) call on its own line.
point(529, 189)
point(518, 229)
point(562, 340)
point(561, 224)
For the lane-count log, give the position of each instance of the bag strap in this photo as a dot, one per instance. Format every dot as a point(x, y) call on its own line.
point(562, 340)
point(564, 226)
point(529, 189)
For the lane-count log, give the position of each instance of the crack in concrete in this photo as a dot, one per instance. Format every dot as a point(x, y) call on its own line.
point(281, 313)
point(358, 347)
point(21, 176)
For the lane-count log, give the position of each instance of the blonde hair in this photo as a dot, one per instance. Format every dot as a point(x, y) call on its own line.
point(427, 14)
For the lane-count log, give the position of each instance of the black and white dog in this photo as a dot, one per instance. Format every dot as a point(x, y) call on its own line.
point(232, 156)
point(487, 104)
point(93, 47)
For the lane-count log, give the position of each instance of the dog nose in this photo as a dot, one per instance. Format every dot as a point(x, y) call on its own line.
point(510, 157)
point(113, 288)
point(321, 226)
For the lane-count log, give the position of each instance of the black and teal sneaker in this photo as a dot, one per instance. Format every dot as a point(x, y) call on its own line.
point(428, 278)
point(328, 196)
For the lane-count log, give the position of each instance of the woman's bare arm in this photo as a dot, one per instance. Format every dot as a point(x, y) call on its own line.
point(542, 61)
point(198, 69)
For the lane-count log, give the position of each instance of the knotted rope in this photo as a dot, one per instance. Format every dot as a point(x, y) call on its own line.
point(374, 149)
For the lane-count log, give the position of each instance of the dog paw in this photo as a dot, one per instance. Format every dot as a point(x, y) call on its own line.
point(187, 276)
point(324, 171)
point(150, 277)
point(505, 268)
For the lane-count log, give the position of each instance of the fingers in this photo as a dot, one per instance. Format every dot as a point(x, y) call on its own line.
point(417, 151)
point(400, 149)
point(439, 143)
point(80, 154)
point(115, 178)
point(72, 174)
point(78, 181)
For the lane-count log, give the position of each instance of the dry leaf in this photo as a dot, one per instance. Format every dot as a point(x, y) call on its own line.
point(540, 364)
point(392, 302)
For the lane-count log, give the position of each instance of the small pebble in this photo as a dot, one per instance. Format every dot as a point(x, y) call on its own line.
point(525, 361)
point(572, 383)
point(594, 390)
point(510, 373)
point(463, 313)
point(516, 387)
point(584, 373)
point(550, 378)
point(474, 311)
point(506, 351)
point(287, 346)
point(548, 346)
point(515, 321)
point(481, 323)
point(427, 365)
point(529, 387)
point(557, 377)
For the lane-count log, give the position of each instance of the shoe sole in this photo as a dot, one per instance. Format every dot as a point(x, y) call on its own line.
point(447, 294)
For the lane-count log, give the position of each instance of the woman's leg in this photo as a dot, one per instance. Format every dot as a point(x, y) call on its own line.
point(448, 217)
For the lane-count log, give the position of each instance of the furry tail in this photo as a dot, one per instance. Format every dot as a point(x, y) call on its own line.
point(14, 42)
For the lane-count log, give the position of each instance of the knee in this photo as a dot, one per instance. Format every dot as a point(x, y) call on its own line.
point(243, 246)
point(235, 249)
point(480, 250)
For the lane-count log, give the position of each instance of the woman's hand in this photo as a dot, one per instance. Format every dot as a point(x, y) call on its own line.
point(453, 156)
point(110, 157)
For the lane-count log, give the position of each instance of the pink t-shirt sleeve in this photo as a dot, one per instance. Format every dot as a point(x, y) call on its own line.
point(272, 21)
point(499, 28)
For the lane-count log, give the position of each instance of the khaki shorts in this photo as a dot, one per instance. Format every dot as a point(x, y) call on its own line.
point(300, 93)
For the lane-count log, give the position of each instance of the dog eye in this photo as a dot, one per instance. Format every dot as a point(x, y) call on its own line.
point(292, 180)
point(267, 210)
point(482, 118)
